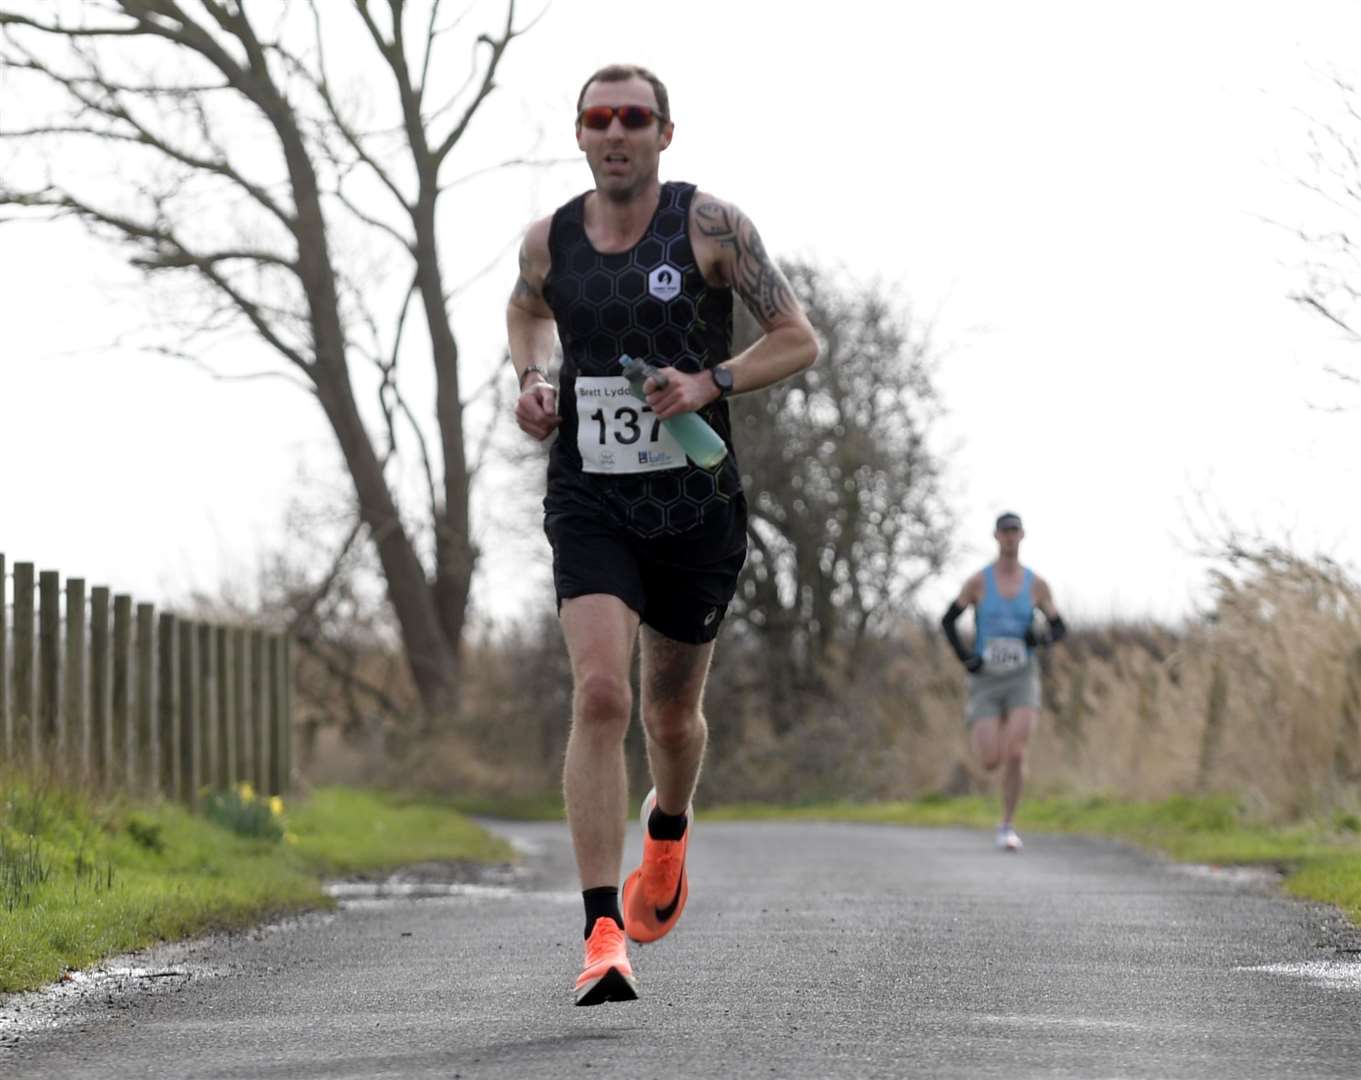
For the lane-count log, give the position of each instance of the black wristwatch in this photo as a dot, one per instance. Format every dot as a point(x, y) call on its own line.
point(722, 379)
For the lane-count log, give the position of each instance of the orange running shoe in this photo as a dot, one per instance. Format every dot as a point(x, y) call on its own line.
point(654, 895)
point(607, 976)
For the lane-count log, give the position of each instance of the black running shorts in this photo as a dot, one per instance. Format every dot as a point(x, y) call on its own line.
point(679, 591)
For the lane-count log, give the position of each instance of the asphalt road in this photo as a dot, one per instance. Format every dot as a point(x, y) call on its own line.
point(808, 950)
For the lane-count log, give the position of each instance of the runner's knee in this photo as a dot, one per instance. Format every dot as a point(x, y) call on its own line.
point(987, 746)
point(603, 701)
point(673, 725)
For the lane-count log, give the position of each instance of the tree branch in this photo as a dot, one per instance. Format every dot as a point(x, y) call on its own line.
point(321, 83)
point(166, 249)
point(498, 48)
point(116, 113)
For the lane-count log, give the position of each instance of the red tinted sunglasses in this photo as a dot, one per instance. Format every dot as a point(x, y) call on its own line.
point(633, 117)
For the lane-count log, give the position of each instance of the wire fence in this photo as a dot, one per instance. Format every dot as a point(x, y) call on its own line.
point(113, 693)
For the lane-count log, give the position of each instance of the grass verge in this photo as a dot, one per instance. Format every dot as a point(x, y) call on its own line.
point(1321, 860)
point(82, 879)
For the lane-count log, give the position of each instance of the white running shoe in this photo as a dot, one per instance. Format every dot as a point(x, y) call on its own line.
point(1007, 840)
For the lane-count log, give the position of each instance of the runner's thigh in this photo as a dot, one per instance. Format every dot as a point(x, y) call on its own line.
point(673, 672)
point(593, 556)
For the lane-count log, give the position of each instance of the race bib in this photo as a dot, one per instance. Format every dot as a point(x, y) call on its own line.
point(618, 434)
point(1003, 654)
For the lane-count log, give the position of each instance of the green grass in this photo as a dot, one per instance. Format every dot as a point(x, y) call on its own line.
point(1322, 860)
point(545, 806)
point(120, 877)
point(344, 831)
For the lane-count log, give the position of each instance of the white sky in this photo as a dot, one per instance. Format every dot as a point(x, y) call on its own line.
point(1074, 191)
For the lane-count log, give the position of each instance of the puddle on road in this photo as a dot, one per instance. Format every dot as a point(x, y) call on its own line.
point(431, 881)
point(1234, 875)
point(356, 895)
point(523, 846)
point(1062, 1022)
point(354, 892)
point(1331, 974)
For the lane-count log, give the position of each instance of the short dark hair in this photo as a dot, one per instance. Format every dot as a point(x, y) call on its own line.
point(624, 72)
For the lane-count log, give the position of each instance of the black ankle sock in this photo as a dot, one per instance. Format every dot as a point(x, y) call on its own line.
point(665, 826)
point(602, 903)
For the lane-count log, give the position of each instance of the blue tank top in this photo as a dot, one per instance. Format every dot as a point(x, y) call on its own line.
point(997, 616)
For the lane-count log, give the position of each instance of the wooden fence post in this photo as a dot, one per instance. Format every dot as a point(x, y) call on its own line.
point(101, 689)
point(76, 716)
point(144, 764)
point(288, 731)
point(259, 707)
point(168, 752)
point(226, 707)
point(25, 722)
point(50, 734)
point(6, 726)
point(207, 706)
point(245, 737)
point(191, 700)
point(277, 732)
point(121, 732)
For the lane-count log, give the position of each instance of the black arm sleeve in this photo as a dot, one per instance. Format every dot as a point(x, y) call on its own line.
point(1057, 628)
point(947, 624)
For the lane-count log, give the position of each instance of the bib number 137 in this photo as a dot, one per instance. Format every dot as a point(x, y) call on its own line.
point(623, 425)
point(617, 433)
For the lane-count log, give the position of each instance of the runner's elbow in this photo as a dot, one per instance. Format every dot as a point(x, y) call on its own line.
point(809, 349)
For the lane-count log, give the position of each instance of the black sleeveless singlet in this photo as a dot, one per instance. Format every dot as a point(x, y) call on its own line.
point(653, 303)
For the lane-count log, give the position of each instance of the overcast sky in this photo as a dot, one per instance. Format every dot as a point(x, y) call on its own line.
point(1079, 195)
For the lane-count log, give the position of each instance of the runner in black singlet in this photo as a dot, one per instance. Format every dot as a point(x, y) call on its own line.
point(641, 536)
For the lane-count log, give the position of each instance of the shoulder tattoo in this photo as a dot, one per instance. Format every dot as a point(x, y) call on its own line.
point(756, 278)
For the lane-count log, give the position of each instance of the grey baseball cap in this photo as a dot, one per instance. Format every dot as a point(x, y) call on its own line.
point(1009, 521)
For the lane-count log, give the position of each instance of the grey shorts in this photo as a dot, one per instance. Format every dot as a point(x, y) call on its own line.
point(996, 695)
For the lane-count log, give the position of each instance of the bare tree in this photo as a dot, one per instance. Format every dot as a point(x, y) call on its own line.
point(238, 162)
point(1332, 287)
point(847, 515)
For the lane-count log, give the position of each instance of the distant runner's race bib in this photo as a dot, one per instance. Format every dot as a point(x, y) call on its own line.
point(618, 434)
point(1003, 654)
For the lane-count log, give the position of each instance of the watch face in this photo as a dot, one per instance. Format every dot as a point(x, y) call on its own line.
point(723, 380)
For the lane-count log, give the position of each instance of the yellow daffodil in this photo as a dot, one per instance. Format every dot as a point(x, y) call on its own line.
point(276, 806)
point(246, 792)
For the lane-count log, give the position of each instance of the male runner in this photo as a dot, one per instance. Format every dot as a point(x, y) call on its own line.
point(1004, 677)
point(640, 535)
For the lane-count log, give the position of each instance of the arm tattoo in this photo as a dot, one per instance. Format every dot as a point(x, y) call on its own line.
point(756, 278)
point(523, 288)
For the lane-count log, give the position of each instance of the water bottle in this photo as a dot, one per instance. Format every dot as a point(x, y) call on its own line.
point(701, 443)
